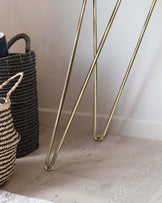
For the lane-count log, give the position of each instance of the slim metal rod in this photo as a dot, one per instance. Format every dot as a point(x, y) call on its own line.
point(47, 161)
point(49, 166)
point(95, 67)
point(100, 137)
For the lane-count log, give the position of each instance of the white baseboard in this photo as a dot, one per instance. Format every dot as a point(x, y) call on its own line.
point(119, 126)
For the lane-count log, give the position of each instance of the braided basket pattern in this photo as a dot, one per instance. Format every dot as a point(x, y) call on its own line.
point(9, 137)
point(24, 100)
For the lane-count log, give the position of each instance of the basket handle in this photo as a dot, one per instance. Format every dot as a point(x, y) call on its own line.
point(16, 84)
point(20, 36)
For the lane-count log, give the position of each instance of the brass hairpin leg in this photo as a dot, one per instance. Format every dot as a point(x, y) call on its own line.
point(48, 163)
point(95, 68)
point(101, 137)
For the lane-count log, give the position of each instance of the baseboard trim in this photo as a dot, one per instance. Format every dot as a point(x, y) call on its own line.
point(119, 126)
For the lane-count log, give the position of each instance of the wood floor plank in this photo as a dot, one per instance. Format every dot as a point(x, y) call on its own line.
point(118, 170)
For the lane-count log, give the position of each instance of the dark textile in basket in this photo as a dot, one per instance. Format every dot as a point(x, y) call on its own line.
point(24, 99)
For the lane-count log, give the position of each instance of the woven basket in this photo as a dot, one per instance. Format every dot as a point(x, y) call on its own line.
point(24, 99)
point(9, 137)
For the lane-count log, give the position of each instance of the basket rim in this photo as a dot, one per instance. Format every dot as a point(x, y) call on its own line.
point(18, 54)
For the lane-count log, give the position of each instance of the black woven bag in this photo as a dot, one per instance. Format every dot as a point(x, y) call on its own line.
point(24, 100)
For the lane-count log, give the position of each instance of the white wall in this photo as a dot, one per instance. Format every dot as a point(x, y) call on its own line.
point(52, 25)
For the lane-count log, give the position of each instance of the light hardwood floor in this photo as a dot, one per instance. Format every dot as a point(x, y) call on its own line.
point(117, 170)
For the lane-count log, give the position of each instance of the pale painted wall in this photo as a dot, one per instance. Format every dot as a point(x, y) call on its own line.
point(52, 25)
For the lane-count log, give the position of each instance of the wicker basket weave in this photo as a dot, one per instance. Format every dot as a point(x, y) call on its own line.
point(24, 99)
point(9, 137)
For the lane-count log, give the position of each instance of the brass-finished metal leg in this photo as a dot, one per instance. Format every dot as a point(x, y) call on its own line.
point(101, 137)
point(95, 68)
point(48, 163)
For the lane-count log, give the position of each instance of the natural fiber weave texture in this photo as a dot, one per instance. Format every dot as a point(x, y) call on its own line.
point(9, 137)
point(24, 99)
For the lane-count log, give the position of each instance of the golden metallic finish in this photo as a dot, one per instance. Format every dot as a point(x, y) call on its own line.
point(100, 137)
point(95, 68)
point(48, 163)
